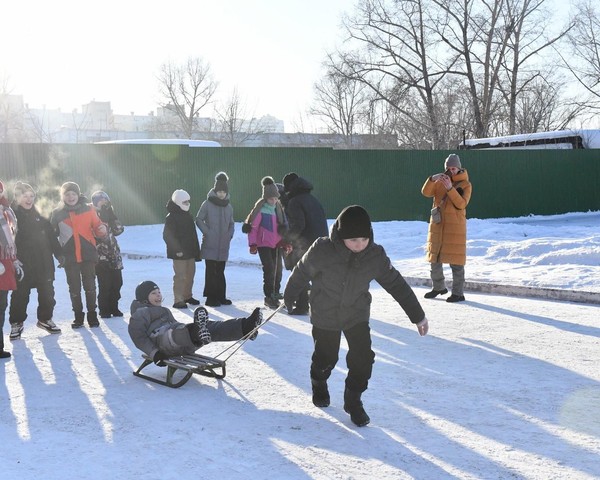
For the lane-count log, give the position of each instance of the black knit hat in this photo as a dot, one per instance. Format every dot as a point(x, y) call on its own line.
point(353, 222)
point(288, 179)
point(144, 289)
point(221, 183)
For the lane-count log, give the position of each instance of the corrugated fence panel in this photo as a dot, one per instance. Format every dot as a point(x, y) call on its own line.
point(141, 178)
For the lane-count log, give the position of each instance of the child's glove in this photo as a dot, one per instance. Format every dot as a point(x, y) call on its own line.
point(61, 261)
point(19, 272)
point(159, 357)
point(423, 327)
point(286, 247)
point(253, 249)
point(246, 228)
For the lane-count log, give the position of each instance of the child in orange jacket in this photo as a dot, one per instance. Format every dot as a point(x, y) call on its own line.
point(77, 225)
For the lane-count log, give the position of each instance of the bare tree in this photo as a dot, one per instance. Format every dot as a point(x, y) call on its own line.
point(527, 22)
point(342, 102)
point(38, 130)
point(11, 113)
point(473, 32)
point(584, 56)
point(234, 123)
point(187, 89)
point(397, 55)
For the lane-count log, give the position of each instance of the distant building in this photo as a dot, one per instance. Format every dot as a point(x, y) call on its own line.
point(96, 122)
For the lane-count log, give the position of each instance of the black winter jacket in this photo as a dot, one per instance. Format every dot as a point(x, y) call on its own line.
point(339, 296)
point(36, 245)
point(179, 233)
point(306, 218)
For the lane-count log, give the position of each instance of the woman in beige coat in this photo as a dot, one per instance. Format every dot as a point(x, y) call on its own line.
point(447, 235)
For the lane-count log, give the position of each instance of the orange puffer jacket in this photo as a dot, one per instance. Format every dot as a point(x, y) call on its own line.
point(76, 228)
point(447, 241)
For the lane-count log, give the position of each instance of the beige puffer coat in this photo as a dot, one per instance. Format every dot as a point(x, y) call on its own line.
point(447, 241)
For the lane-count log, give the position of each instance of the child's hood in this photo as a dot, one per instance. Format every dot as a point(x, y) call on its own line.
point(136, 304)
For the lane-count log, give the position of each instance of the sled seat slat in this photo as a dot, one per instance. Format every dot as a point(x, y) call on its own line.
point(190, 364)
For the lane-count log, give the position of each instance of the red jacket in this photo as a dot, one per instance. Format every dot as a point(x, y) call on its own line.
point(77, 228)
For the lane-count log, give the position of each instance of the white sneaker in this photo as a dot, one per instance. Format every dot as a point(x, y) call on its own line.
point(49, 326)
point(16, 329)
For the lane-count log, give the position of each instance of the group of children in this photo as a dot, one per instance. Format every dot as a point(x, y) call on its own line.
point(81, 237)
point(337, 267)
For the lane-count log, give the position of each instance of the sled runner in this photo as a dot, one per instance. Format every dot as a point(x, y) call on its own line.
point(190, 364)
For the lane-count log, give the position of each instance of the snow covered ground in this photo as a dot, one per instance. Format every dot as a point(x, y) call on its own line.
point(501, 388)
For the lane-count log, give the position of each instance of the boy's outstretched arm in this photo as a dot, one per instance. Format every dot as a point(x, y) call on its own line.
point(423, 327)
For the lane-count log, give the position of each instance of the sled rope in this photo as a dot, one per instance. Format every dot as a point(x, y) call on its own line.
point(239, 343)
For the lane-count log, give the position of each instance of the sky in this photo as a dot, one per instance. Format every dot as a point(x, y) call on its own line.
point(70, 53)
point(502, 387)
point(64, 54)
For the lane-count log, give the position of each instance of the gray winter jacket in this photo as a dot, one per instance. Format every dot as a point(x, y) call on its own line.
point(215, 221)
point(154, 328)
point(339, 296)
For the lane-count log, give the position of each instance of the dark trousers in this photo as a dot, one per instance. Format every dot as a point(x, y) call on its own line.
point(214, 280)
point(20, 299)
point(78, 275)
point(3, 305)
point(271, 266)
point(360, 357)
point(303, 298)
point(110, 281)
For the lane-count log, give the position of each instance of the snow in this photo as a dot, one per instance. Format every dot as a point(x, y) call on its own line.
point(502, 387)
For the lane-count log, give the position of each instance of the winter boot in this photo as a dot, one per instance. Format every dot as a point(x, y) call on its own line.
point(212, 302)
point(201, 319)
point(78, 322)
point(455, 298)
point(92, 318)
point(353, 405)
point(271, 302)
point(320, 392)
point(252, 323)
point(192, 301)
point(434, 293)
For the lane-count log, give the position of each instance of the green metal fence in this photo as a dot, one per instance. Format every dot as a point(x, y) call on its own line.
point(141, 178)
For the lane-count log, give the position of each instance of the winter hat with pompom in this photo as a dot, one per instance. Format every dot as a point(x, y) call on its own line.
point(453, 160)
point(269, 188)
point(221, 183)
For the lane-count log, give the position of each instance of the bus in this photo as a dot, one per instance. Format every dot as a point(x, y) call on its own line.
point(559, 139)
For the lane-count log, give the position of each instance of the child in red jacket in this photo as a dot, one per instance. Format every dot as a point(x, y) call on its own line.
point(77, 225)
point(8, 260)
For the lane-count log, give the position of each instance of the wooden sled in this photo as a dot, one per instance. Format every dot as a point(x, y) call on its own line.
point(190, 364)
